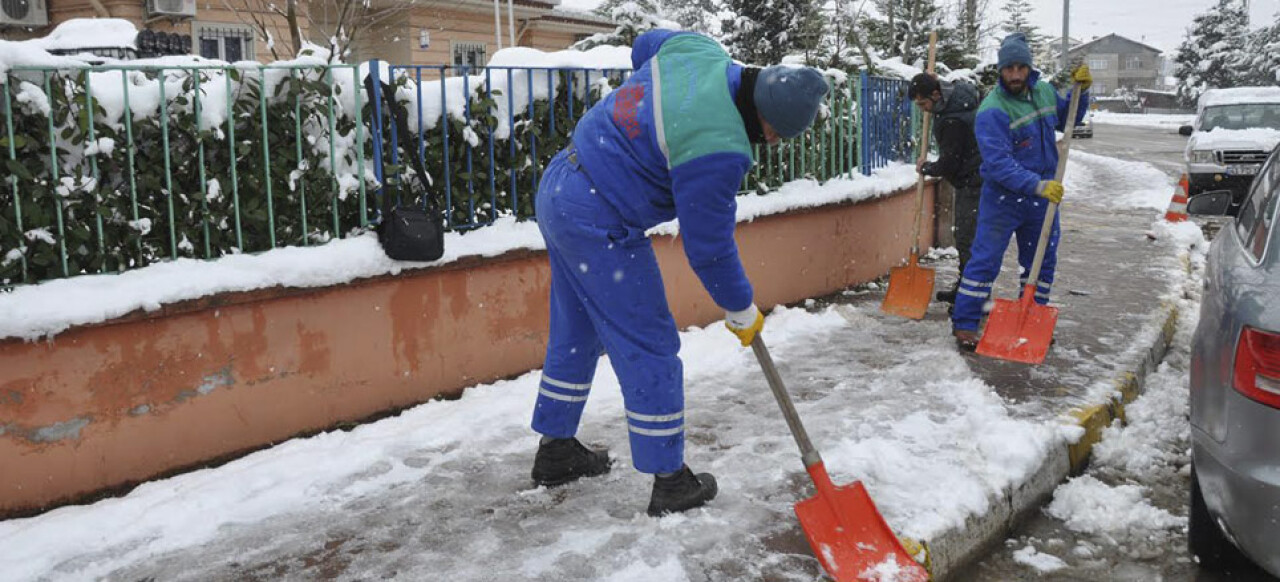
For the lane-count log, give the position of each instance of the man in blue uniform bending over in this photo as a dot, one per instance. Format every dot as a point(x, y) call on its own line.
point(1015, 131)
point(674, 141)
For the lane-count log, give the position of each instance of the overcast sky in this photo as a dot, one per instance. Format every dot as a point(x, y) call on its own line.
point(1159, 23)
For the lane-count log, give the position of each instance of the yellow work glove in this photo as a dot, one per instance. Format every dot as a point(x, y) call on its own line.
point(1051, 190)
point(745, 324)
point(1081, 75)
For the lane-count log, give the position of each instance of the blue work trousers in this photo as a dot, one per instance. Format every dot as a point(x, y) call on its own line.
point(999, 217)
point(607, 296)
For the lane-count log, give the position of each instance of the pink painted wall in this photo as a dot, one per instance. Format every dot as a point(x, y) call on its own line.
point(102, 407)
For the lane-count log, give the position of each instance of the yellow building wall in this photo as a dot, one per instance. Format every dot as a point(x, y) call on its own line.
point(397, 41)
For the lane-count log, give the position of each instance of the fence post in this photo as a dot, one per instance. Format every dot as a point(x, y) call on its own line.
point(864, 109)
point(375, 127)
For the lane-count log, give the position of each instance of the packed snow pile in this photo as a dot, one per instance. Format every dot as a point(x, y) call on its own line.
point(601, 57)
point(1109, 181)
point(1038, 561)
point(78, 33)
point(1143, 119)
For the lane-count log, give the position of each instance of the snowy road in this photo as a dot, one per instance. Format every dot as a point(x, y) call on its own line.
point(1161, 147)
point(442, 490)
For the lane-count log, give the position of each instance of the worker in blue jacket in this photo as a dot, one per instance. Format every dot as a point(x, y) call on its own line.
point(1015, 129)
point(673, 142)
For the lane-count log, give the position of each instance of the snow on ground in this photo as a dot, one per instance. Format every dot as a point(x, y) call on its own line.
point(1111, 182)
point(1040, 562)
point(1163, 121)
point(49, 308)
point(1113, 502)
point(1090, 505)
point(447, 482)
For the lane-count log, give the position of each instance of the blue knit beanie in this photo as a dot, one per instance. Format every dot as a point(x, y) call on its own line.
point(1014, 50)
point(788, 97)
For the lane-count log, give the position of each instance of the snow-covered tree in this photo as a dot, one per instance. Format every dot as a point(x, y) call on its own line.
point(900, 28)
point(1263, 55)
point(634, 17)
point(1213, 55)
point(696, 15)
point(762, 32)
point(1018, 19)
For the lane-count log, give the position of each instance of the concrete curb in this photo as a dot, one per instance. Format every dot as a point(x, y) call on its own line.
point(947, 553)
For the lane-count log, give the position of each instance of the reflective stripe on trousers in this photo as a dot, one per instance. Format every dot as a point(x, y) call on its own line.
point(607, 295)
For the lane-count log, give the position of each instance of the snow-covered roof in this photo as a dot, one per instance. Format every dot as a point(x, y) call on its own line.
point(84, 33)
point(1214, 97)
point(1083, 48)
point(580, 15)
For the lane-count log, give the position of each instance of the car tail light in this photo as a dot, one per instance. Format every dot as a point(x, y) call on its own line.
point(1258, 366)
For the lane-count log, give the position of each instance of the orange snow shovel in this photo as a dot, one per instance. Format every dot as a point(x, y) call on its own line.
point(1021, 330)
point(846, 532)
point(911, 286)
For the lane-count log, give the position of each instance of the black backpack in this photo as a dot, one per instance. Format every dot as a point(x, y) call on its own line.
point(407, 232)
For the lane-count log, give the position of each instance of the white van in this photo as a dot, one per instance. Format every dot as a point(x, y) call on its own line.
point(1233, 133)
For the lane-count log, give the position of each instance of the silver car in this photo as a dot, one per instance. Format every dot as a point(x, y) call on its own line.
point(1235, 384)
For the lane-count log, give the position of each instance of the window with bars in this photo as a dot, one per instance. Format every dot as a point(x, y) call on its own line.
point(469, 53)
point(227, 42)
point(1098, 64)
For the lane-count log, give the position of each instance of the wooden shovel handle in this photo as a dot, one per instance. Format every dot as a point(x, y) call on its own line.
point(1033, 276)
point(924, 153)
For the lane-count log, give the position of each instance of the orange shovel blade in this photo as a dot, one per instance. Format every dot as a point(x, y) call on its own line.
point(910, 290)
point(849, 536)
point(1020, 330)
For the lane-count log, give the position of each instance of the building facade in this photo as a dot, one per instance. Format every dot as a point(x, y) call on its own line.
point(399, 31)
point(1119, 63)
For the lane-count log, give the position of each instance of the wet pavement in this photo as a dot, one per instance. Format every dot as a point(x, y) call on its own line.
point(1139, 555)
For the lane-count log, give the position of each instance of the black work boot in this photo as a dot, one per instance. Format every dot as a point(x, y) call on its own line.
point(948, 296)
point(561, 461)
point(681, 491)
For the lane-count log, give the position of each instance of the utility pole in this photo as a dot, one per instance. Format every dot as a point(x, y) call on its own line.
point(497, 24)
point(511, 23)
point(1066, 31)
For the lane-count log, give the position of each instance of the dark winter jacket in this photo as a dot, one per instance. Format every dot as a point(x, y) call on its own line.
point(958, 160)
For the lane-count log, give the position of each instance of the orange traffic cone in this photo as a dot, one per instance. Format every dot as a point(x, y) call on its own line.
point(1178, 206)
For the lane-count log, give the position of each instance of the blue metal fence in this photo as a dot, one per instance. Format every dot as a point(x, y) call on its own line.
point(885, 121)
point(112, 168)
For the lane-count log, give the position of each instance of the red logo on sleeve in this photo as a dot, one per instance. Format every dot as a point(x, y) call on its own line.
point(624, 109)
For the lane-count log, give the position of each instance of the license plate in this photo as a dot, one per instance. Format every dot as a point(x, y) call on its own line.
point(1246, 170)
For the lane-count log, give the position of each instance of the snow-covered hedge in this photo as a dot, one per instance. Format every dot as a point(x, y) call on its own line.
point(118, 168)
point(115, 168)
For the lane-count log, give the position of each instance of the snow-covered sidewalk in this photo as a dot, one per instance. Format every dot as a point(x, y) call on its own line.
point(442, 491)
